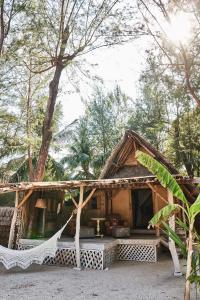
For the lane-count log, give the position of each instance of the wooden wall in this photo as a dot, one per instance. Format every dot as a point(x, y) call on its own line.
point(90, 212)
point(6, 214)
point(122, 203)
point(158, 202)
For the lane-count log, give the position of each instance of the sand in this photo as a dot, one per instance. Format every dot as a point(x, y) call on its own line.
point(123, 280)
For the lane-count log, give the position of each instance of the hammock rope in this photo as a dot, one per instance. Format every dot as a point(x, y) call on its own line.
point(24, 258)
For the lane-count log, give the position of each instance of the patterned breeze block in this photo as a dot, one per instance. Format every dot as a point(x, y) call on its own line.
point(137, 252)
point(100, 254)
point(98, 259)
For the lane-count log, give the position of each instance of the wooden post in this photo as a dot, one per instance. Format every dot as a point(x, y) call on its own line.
point(155, 196)
point(73, 200)
point(156, 209)
point(172, 247)
point(77, 235)
point(88, 198)
point(189, 262)
point(13, 223)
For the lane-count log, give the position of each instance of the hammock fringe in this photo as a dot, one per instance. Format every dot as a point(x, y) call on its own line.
point(24, 258)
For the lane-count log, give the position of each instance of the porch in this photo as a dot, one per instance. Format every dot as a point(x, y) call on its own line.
point(100, 253)
point(29, 215)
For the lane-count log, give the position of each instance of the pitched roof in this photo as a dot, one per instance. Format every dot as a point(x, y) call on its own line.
point(130, 142)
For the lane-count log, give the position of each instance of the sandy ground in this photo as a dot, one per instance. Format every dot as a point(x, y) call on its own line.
point(123, 280)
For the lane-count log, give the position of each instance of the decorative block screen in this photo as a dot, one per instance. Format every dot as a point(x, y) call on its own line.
point(92, 259)
point(137, 252)
point(101, 259)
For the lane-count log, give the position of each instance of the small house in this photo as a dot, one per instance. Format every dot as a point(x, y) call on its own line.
point(112, 212)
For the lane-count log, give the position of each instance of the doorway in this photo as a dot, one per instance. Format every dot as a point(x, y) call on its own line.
point(142, 204)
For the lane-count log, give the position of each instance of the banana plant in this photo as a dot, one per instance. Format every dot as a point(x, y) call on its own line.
point(190, 211)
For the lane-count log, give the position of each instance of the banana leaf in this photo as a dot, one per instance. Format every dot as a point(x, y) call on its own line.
point(164, 214)
point(173, 235)
point(163, 175)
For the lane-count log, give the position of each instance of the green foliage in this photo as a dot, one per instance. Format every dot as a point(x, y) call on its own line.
point(195, 277)
point(164, 214)
point(106, 115)
point(79, 158)
point(174, 236)
point(184, 140)
point(191, 211)
point(195, 208)
point(148, 116)
point(96, 133)
point(165, 115)
point(53, 170)
point(163, 175)
point(182, 225)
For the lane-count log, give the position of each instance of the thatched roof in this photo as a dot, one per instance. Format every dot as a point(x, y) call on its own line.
point(129, 143)
point(115, 165)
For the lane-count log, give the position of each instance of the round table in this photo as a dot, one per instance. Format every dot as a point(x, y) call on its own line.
point(98, 225)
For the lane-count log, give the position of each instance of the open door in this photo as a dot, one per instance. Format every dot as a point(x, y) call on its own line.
point(142, 204)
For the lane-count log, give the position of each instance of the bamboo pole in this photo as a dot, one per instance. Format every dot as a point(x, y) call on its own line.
point(189, 262)
point(88, 198)
point(155, 201)
point(77, 236)
point(73, 200)
point(156, 192)
point(25, 199)
point(172, 247)
point(13, 223)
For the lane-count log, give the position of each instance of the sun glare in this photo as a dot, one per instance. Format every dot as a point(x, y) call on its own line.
point(179, 30)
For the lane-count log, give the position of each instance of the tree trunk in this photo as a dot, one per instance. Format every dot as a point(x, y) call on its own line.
point(2, 26)
point(28, 124)
point(47, 125)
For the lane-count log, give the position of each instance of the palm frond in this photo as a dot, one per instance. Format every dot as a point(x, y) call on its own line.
point(164, 214)
point(172, 234)
point(66, 133)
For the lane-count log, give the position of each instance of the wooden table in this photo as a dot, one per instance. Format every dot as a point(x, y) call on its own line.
point(98, 225)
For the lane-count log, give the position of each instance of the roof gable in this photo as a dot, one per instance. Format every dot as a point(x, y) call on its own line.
point(122, 161)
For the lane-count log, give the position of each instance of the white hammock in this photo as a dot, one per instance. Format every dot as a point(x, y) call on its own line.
point(24, 258)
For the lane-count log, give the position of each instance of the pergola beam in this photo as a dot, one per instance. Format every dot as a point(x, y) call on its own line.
point(99, 183)
point(26, 197)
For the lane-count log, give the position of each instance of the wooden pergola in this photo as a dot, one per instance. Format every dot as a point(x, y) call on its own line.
point(98, 183)
point(29, 187)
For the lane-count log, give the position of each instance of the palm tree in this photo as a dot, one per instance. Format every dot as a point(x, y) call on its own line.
point(79, 157)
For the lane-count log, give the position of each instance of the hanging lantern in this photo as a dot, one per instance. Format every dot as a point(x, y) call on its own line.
point(41, 203)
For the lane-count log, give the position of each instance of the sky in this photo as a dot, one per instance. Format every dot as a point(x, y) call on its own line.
point(120, 65)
